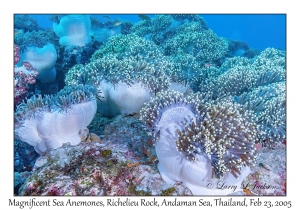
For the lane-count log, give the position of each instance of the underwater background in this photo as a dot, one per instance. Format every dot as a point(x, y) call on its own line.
point(145, 104)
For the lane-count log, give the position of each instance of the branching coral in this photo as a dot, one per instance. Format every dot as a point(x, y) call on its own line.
point(199, 139)
point(46, 123)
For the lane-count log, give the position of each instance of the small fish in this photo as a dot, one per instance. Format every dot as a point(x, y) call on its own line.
point(17, 31)
point(144, 17)
point(105, 16)
point(117, 23)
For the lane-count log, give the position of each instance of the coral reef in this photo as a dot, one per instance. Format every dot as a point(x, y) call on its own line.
point(24, 76)
point(160, 107)
point(190, 18)
point(269, 104)
point(46, 123)
point(71, 55)
point(156, 29)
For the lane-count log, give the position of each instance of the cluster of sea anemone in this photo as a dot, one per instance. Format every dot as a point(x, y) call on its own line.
point(128, 70)
point(259, 85)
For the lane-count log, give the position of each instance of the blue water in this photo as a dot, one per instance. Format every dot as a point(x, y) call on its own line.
point(259, 31)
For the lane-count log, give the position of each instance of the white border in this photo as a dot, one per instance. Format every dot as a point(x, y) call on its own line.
point(150, 6)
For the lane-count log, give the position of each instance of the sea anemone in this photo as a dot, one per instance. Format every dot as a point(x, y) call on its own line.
point(243, 75)
point(202, 43)
point(269, 106)
point(259, 85)
point(43, 59)
point(73, 30)
point(128, 75)
point(47, 122)
point(201, 141)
